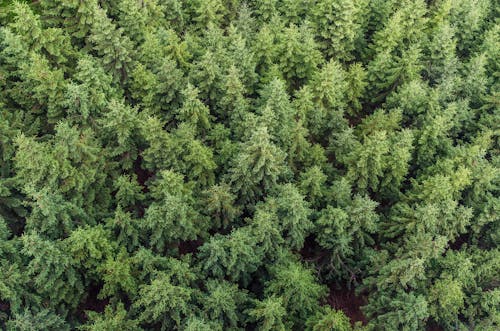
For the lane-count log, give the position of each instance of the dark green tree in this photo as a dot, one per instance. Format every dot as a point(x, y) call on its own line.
point(269, 314)
point(171, 217)
point(113, 318)
point(257, 167)
point(297, 286)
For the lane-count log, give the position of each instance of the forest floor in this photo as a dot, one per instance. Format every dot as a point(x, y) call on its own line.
point(346, 300)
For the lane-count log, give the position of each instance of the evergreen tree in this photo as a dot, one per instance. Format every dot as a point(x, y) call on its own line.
point(110, 44)
point(171, 217)
point(296, 285)
point(269, 314)
point(234, 256)
point(220, 164)
point(114, 318)
point(293, 214)
point(163, 303)
point(42, 320)
point(298, 54)
point(329, 319)
point(52, 271)
point(337, 26)
point(222, 303)
point(193, 111)
point(257, 166)
point(220, 205)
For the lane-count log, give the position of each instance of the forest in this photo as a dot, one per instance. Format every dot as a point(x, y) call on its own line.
point(272, 165)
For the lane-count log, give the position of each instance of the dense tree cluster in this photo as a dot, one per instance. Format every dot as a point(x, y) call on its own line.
point(226, 164)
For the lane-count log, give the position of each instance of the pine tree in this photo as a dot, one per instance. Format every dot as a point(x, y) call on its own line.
point(233, 104)
point(222, 303)
point(367, 161)
point(126, 229)
point(329, 319)
point(199, 324)
point(207, 75)
point(219, 204)
point(446, 299)
point(63, 179)
point(298, 55)
point(312, 185)
point(337, 25)
point(257, 166)
point(133, 18)
point(45, 85)
point(193, 111)
point(128, 191)
point(406, 312)
point(266, 232)
point(328, 89)
point(27, 25)
point(397, 50)
point(277, 113)
point(77, 17)
point(37, 321)
point(234, 256)
point(269, 314)
point(96, 81)
point(111, 45)
point(265, 51)
point(53, 272)
point(346, 232)
point(171, 217)
point(179, 151)
point(292, 213)
point(117, 276)
point(119, 128)
point(113, 318)
point(89, 247)
point(297, 286)
point(208, 13)
point(163, 303)
point(241, 56)
point(469, 17)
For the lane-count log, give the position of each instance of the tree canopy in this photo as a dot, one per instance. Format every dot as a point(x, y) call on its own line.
point(322, 165)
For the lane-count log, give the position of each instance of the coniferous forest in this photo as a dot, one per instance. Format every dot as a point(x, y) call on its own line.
point(274, 165)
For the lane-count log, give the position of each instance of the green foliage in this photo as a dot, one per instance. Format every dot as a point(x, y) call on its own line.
point(179, 151)
point(404, 312)
point(111, 319)
point(198, 324)
point(193, 111)
point(171, 217)
point(63, 178)
point(117, 276)
point(220, 164)
point(52, 271)
point(298, 54)
point(90, 246)
point(219, 203)
point(235, 255)
point(298, 288)
point(448, 300)
point(105, 36)
point(293, 214)
point(337, 26)
point(329, 320)
point(42, 320)
point(163, 302)
point(222, 303)
point(257, 167)
point(269, 314)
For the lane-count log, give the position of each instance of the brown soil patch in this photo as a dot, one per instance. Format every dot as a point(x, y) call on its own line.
point(347, 301)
